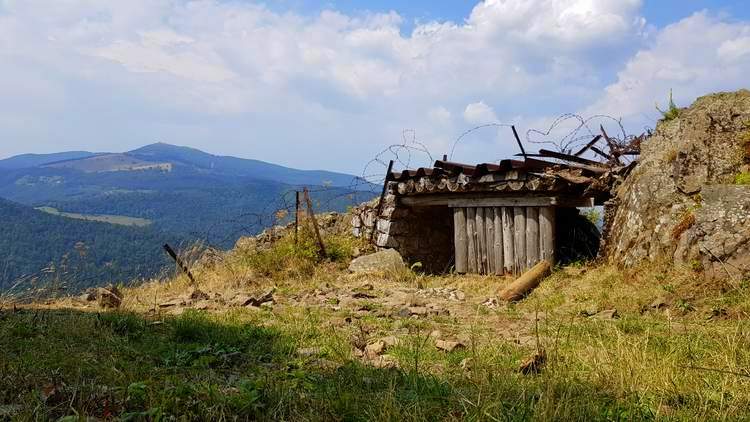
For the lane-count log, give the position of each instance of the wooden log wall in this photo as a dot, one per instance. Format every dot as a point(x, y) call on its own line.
point(502, 240)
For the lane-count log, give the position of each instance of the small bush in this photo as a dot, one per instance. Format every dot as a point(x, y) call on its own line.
point(742, 179)
point(123, 323)
point(672, 111)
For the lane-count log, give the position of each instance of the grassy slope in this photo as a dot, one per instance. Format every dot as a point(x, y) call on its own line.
point(687, 362)
point(111, 219)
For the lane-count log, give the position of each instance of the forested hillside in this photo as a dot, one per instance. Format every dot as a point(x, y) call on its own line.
point(39, 248)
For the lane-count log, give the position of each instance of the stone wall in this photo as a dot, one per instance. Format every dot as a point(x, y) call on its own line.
point(423, 234)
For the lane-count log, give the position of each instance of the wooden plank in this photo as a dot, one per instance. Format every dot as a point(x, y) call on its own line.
point(508, 258)
point(482, 242)
point(547, 234)
point(519, 239)
point(311, 214)
point(489, 228)
point(471, 237)
point(486, 199)
point(460, 244)
point(532, 236)
point(498, 241)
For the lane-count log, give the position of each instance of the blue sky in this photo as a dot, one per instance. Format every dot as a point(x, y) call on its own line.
point(331, 84)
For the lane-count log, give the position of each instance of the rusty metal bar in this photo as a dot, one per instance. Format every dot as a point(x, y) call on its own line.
point(601, 153)
point(568, 157)
point(180, 263)
point(520, 145)
point(589, 145)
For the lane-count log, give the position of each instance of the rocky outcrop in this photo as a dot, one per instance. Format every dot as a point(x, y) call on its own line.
point(681, 202)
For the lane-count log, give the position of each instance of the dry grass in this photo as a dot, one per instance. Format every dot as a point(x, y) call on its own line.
point(686, 360)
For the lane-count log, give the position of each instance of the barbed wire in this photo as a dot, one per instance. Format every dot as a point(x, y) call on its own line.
point(410, 152)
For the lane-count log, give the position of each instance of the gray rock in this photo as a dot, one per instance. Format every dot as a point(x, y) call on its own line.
point(606, 314)
point(109, 297)
point(375, 349)
point(382, 261)
point(679, 202)
point(448, 345)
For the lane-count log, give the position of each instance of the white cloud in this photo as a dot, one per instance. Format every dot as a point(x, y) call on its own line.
point(695, 56)
point(238, 78)
point(479, 113)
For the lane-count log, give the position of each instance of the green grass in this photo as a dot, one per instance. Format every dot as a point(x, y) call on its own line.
point(58, 363)
point(111, 219)
point(742, 179)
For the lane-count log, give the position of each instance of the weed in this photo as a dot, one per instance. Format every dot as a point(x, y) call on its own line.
point(686, 222)
point(742, 178)
point(672, 111)
point(123, 323)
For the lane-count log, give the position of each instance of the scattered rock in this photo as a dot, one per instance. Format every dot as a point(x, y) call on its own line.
point(198, 294)
point(436, 334)
point(375, 349)
point(384, 361)
point(534, 364)
point(448, 345)
point(109, 297)
point(404, 313)
point(606, 314)
point(245, 300)
point(307, 352)
point(172, 303)
point(659, 303)
point(391, 341)
point(202, 305)
point(490, 303)
point(88, 296)
point(325, 364)
point(459, 295)
point(382, 261)
point(418, 310)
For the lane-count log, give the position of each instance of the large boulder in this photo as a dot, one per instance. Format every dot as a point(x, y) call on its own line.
point(381, 261)
point(681, 202)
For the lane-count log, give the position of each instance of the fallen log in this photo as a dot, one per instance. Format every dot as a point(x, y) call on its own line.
point(527, 282)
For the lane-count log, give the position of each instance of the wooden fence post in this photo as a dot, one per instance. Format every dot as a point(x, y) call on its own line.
point(179, 262)
point(296, 217)
point(311, 213)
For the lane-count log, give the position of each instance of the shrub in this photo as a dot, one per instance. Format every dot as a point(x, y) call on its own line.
point(742, 179)
point(672, 111)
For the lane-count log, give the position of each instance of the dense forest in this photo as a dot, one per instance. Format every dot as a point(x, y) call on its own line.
point(40, 248)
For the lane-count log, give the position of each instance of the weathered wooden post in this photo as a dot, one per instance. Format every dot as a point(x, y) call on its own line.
point(547, 234)
point(311, 213)
point(481, 242)
point(508, 240)
point(460, 241)
point(489, 227)
point(471, 235)
point(532, 236)
point(498, 244)
point(519, 239)
point(296, 217)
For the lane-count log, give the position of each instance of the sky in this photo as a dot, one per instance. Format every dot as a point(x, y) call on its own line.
point(331, 84)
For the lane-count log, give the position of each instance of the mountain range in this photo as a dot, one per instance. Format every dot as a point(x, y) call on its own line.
point(148, 195)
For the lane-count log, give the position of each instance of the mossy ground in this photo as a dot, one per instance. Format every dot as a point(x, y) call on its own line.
point(686, 360)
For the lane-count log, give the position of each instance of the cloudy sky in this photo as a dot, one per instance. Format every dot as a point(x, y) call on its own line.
point(330, 84)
